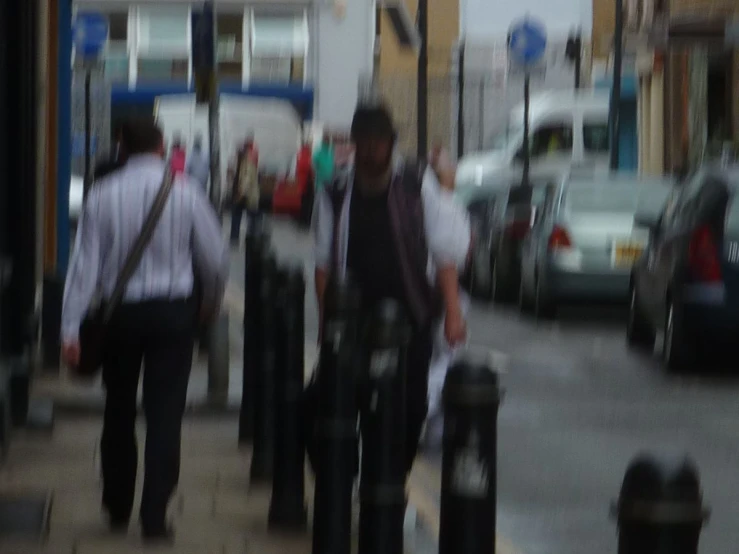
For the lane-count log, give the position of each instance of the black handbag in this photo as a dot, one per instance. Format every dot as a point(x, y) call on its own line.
point(93, 330)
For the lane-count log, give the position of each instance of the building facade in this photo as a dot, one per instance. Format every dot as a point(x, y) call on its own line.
point(312, 53)
point(396, 66)
point(688, 69)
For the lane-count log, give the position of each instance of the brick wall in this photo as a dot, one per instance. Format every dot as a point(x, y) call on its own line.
point(604, 16)
point(706, 8)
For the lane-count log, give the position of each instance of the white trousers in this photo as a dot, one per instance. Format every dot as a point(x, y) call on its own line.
point(441, 359)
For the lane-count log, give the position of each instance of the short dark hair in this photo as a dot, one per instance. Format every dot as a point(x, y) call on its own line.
point(372, 119)
point(141, 136)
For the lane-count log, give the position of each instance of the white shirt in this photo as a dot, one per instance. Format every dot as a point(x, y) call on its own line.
point(447, 226)
point(188, 234)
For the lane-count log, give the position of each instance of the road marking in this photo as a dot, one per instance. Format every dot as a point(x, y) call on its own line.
point(424, 488)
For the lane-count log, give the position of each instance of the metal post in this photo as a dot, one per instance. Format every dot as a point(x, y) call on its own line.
point(218, 360)
point(87, 182)
point(333, 414)
point(287, 509)
point(468, 475)
point(383, 424)
point(256, 245)
point(526, 128)
point(578, 61)
point(660, 508)
point(616, 92)
point(481, 115)
point(423, 80)
point(262, 459)
point(460, 101)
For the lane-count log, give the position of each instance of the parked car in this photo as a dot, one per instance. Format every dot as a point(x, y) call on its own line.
point(686, 285)
point(501, 217)
point(584, 241)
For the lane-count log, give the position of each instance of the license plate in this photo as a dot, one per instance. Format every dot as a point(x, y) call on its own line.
point(625, 254)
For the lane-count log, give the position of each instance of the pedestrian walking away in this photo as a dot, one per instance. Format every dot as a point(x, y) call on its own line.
point(390, 224)
point(154, 324)
point(198, 166)
point(246, 193)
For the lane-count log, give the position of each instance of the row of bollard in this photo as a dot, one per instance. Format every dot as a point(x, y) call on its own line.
point(272, 391)
point(361, 376)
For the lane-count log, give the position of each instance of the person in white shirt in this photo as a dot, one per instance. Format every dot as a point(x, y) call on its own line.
point(155, 323)
point(402, 237)
point(198, 165)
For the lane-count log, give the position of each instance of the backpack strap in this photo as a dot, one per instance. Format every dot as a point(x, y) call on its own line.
point(336, 191)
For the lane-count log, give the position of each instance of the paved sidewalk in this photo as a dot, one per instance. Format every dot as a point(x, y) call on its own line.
point(214, 511)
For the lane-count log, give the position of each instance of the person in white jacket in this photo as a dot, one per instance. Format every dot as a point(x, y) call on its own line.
point(443, 353)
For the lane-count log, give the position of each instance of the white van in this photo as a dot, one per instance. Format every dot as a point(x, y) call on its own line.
point(274, 122)
point(566, 128)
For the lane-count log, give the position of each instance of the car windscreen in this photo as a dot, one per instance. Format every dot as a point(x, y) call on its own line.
point(615, 198)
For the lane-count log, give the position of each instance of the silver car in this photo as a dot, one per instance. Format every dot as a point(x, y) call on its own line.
point(584, 241)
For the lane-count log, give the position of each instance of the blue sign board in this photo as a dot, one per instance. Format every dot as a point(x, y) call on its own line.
point(203, 40)
point(90, 30)
point(527, 42)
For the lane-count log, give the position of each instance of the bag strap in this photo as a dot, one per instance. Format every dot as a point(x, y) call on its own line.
point(142, 241)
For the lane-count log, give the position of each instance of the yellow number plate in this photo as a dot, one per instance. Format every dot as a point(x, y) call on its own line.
point(626, 254)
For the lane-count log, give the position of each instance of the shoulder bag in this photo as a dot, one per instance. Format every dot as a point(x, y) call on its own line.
point(93, 331)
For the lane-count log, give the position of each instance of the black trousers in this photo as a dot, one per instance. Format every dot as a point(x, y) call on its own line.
point(417, 378)
point(158, 334)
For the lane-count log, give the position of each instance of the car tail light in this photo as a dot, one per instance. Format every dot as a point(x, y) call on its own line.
point(703, 256)
point(559, 239)
point(517, 229)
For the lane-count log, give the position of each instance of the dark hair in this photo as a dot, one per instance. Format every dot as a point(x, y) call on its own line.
point(141, 136)
point(372, 119)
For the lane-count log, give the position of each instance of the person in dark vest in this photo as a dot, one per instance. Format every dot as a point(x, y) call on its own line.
point(401, 236)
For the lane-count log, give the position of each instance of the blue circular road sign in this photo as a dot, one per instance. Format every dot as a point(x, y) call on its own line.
point(90, 33)
point(527, 42)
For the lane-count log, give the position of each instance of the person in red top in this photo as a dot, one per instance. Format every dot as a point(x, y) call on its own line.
point(304, 168)
point(178, 157)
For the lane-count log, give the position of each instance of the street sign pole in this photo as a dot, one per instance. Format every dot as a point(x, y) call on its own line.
point(526, 128)
point(527, 41)
point(90, 36)
point(616, 92)
point(205, 33)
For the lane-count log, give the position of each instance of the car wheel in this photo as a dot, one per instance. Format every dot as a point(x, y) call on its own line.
point(524, 300)
point(500, 288)
point(639, 332)
point(678, 351)
point(544, 308)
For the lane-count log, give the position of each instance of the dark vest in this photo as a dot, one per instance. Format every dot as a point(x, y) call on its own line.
point(405, 207)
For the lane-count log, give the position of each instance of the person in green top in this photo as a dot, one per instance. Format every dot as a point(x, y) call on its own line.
point(323, 163)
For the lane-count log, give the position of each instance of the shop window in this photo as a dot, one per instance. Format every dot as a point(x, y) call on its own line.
point(230, 47)
point(278, 47)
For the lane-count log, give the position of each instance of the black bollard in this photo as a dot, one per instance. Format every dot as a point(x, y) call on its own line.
point(383, 417)
point(333, 411)
point(256, 244)
point(660, 509)
point(468, 475)
point(287, 508)
point(264, 377)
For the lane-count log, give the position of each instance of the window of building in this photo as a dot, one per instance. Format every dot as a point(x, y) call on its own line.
point(230, 48)
point(116, 52)
point(164, 32)
point(279, 43)
point(163, 44)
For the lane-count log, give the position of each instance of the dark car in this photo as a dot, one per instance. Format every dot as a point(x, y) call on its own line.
point(501, 217)
point(686, 285)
